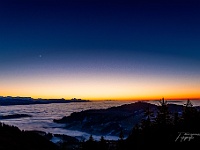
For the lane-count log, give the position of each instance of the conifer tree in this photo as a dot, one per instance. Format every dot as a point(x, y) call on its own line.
point(163, 115)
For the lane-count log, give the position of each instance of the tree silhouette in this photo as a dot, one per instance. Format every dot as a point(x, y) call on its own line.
point(147, 121)
point(163, 115)
point(190, 117)
point(102, 145)
point(91, 139)
point(90, 144)
point(121, 135)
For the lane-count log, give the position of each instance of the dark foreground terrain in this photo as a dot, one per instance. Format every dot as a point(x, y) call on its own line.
point(165, 126)
point(162, 126)
point(113, 120)
point(11, 138)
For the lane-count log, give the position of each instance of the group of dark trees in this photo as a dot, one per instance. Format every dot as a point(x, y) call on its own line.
point(12, 138)
point(160, 130)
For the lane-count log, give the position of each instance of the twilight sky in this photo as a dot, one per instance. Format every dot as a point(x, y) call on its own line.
point(100, 49)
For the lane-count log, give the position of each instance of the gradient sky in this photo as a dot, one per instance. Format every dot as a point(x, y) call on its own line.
point(100, 49)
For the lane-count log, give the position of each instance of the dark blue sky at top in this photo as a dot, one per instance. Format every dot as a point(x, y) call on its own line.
point(99, 33)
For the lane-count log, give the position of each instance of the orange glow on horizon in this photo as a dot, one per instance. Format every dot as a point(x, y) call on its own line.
point(180, 96)
point(100, 87)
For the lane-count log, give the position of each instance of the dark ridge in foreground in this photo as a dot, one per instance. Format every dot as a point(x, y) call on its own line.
point(113, 120)
point(106, 121)
point(167, 128)
point(12, 138)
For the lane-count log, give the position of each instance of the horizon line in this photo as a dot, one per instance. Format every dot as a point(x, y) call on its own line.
point(125, 99)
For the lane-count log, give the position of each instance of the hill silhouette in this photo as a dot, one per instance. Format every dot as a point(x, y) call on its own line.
point(12, 138)
point(112, 120)
point(167, 129)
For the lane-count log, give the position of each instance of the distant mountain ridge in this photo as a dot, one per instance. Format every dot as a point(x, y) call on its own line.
point(4, 101)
